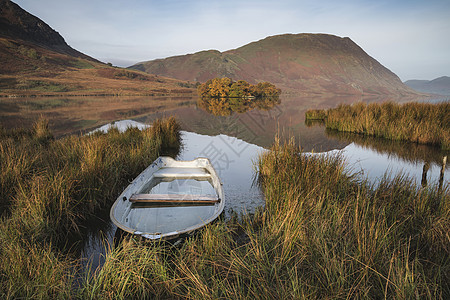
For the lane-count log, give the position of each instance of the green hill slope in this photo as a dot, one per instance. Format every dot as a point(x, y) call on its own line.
point(304, 63)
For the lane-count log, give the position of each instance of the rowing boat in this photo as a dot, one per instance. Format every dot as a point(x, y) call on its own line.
point(170, 199)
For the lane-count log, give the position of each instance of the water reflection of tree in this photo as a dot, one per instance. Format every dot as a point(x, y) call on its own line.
point(226, 106)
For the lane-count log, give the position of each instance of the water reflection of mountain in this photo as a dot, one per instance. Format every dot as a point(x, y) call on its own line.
point(74, 115)
point(257, 126)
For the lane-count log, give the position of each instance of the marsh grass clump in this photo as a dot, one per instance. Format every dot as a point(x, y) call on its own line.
point(315, 114)
point(168, 131)
point(52, 189)
point(324, 233)
point(60, 183)
point(354, 236)
point(31, 270)
point(130, 271)
point(422, 123)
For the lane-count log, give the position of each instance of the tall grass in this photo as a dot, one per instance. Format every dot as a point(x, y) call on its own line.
point(422, 123)
point(168, 131)
point(323, 234)
point(51, 189)
point(131, 271)
point(31, 270)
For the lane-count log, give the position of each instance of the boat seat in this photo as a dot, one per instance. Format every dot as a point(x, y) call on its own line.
point(182, 173)
point(174, 198)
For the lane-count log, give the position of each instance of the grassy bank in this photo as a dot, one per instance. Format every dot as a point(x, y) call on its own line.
point(422, 123)
point(52, 189)
point(323, 234)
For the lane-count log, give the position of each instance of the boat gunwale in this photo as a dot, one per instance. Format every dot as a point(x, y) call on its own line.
point(217, 185)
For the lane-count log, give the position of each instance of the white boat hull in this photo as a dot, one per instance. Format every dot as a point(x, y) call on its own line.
point(170, 198)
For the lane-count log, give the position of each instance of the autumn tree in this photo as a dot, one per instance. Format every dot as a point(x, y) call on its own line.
point(240, 89)
point(220, 87)
point(222, 96)
point(203, 89)
point(265, 89)
point(225, 87)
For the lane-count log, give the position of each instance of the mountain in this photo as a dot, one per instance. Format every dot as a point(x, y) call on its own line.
point(17, 24)
point(36, 60)
point(305, 63)
point(440, 86)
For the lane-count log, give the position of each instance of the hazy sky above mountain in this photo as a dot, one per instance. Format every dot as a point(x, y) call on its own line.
point(410, 37)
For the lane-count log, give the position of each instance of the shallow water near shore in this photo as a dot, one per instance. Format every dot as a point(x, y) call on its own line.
point(234, 160)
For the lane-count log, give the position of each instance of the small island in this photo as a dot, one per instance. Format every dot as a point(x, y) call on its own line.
point(227, 88)
point(223, 96)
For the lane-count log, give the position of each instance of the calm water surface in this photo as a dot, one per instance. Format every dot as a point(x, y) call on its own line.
point(234, 159)
point(232, 142)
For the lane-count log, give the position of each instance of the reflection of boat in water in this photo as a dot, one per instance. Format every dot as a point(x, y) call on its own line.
point(169, 199)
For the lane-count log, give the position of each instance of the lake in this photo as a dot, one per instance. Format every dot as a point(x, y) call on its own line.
point(232, 141)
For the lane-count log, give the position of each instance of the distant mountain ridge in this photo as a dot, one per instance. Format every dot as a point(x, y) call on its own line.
point(306, 63)
point(35, 60)
point(440, 86)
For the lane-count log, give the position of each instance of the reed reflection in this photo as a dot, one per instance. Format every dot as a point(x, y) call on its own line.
point(409, 152)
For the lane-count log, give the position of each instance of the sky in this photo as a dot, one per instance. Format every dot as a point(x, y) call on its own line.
point(409, 37)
